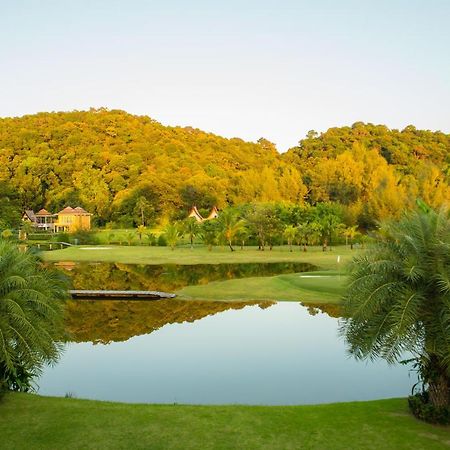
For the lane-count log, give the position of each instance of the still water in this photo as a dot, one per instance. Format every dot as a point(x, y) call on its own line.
point(167, 277)
point(213, 353)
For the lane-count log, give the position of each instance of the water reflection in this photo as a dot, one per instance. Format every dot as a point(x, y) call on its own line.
point(170, 277)
point(105, 321)
point(277, 355)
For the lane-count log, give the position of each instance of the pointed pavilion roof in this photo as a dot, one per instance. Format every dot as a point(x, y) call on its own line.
point(213, 214)
point(195, 214)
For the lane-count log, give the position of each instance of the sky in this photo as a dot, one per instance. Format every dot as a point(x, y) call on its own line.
point(248, 69)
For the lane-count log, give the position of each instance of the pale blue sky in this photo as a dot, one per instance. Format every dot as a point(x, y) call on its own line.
point(237, 68)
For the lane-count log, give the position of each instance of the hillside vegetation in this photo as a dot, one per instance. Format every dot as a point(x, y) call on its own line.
point(116, 164)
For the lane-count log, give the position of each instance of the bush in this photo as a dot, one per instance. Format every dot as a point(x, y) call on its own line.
point(162, 241)
point(421, 408)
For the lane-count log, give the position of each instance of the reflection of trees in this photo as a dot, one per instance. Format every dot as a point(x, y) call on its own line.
point(332, 309)
point(105, 321)
point(170, 277)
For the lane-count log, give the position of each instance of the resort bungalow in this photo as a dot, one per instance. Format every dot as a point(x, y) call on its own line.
point(67, 220)
point(73, 219)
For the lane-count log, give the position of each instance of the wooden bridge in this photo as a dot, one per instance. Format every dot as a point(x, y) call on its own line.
point(125, 295)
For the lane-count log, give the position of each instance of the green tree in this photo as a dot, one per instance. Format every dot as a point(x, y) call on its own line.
point(229, 224)
point(31, 316)
point(398, 299)
point(143, 209)
point(290, 233)
point(350, 233)
point(172, 235)
point(209, 233)
point(141, 231)
point(192, 229)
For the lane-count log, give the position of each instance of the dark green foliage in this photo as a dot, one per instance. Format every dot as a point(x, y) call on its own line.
point(423, 409)
point(31, 316)
point(161, 242)
point(398, 299)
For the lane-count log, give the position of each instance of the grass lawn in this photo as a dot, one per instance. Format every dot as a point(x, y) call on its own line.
point(30, 421)
point(315, 287)
point(200, 255)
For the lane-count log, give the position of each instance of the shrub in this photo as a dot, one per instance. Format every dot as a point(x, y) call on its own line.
point(162, 241)
point(420, 406)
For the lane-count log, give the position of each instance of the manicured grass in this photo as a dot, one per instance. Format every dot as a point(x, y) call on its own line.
point(316, 287)
point(200, 255)
point(30, 421)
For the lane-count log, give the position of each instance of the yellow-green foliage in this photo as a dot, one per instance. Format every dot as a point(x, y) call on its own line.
point(132, 170)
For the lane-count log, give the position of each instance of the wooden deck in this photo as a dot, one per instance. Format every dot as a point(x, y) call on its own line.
point(129, 295)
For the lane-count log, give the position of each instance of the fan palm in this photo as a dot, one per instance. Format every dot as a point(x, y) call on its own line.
point(398, 298)
point(31, 315)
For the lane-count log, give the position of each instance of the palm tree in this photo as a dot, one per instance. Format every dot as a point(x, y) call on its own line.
point(350, 233)
point(192, 229)
point(398, 299)
point(209, 233)
point(31, 316)
point(141, 231)
point(172, 235)
point(229, 224)
point(289, 233)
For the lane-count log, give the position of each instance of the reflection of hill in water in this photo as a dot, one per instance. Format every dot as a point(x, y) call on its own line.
point(331, 309)
point(168, 277)
point(106, 321)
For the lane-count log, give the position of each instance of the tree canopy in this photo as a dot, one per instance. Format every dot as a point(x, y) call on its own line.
point(132, 170)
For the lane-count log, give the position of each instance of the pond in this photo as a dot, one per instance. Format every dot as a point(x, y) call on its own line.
point(168, 277)
point(171, 351)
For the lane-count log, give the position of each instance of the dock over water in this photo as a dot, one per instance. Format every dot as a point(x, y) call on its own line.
point(128, 295)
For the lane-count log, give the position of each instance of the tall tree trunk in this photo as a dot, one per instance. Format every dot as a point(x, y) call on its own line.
point(231, 247)
point(438, 384)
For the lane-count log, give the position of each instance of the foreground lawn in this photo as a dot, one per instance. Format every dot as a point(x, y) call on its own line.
point(316, 287)
point(200, 255)
point(30, 421)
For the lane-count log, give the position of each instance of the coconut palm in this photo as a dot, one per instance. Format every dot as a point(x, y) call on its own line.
point(229, 225)
point(398, 299)
point(31, 316)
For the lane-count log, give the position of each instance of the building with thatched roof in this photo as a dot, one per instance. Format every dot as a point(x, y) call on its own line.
point(194, 213)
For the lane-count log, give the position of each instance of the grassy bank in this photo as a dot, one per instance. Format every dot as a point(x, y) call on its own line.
point(30, 421)
point(200, 255)
point(316, 287)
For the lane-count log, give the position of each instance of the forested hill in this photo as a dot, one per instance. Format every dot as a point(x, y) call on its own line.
point(109, 161)
point(106, 160)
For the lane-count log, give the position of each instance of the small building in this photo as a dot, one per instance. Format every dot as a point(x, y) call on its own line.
point(196, 215)
point(45, 220)
point(199, 218)
point(29, 217)
point(73, 219)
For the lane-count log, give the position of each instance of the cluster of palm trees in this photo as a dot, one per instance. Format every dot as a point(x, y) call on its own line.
point(230, 229)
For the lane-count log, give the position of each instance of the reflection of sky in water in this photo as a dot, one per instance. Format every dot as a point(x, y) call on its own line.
point(280, 355)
